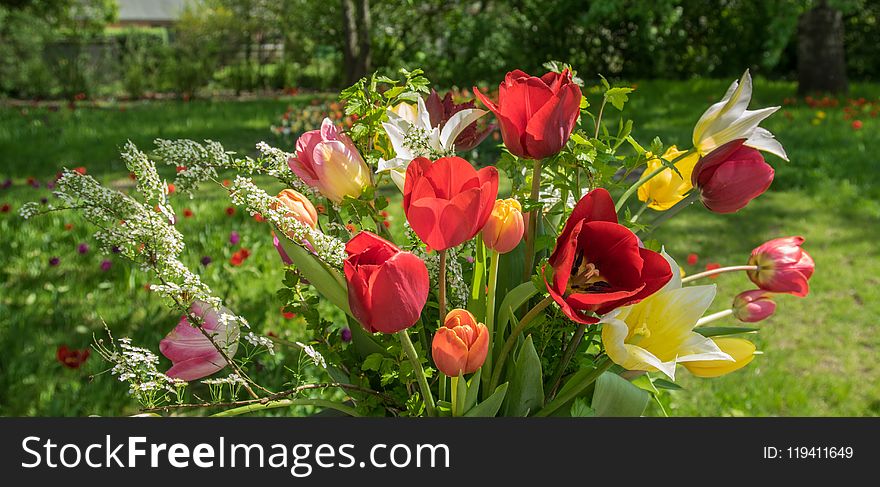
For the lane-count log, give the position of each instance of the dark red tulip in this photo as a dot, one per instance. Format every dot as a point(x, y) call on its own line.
point(71, 357)
point(599, 265)
point(731, 176)
point(784, 266)
point(441, 110)
point(536, 115)
point(447, 202)
point(387, 287)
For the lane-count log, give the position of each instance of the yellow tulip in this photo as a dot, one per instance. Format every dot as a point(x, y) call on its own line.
point(657, 333)
point(666, 189)
point(742, 351)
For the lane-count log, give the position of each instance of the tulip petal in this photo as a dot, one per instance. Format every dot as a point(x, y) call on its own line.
point(399, 292)
point(449, 352)
point(763, 140)
point(456, 123)
point(736, 183)
point(549, 128)
point(596, 205)
point(478, 350)
point(197, 367)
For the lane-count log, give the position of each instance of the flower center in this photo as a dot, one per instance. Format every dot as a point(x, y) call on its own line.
point(586, 277)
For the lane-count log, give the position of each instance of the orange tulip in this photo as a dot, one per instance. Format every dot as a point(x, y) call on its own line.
point(461, 344)
point(505, 226)
point(299, 207)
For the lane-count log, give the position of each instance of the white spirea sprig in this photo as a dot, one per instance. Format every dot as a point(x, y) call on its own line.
point(260, 341)
point(313, 354)
point(199, 160)
point(244, 192)
point(137, 366)
point(199, 163)
point(152, 188)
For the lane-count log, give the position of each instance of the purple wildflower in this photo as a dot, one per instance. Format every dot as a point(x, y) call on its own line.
point(206, 260)
point(346, 335)
point(106, 265)
point(83, 248)
point(234, 238)
point(54, 261)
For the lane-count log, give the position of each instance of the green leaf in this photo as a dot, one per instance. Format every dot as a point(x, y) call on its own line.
point(373, 362)
point(580, 409)
point(327, 281)
point(665, 384)
point(618, 96)
point(617, 397)
point(526, 386)
point(489, 408)
point(514, 299)
point(461, 396)
point(473, 390)
point(714, 331)
point(635, 145)
point(477, 300)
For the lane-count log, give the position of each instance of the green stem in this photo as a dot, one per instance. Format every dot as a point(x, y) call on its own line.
point(645, 178)
point(323, 403)
point(720, 270)
point(573, 345)
point(442, 395)
point(533, 221)
point(713, 317)
point(644, 207)
point(511, 340)
point(686, 202)
point(441, 293)
point(575, 391)
point(599, 117)
point(453, 381)
point(490, 309)
point(417, 369)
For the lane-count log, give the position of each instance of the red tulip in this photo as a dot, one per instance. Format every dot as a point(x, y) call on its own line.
point(731, 176)
point(440, 111)
point(753, 306)
point(536, 115)
point(784, 266)
point(447, 202)
point(461, 344)
point(387, 287)
point(599, 265)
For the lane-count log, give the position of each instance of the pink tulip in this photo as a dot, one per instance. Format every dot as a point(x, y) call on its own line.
point(192, 354)
point(783, 266)
point(328, 160)
point(753, 306)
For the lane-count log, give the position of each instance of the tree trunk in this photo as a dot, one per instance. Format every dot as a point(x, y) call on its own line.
point(356, 50)
point(821, 61)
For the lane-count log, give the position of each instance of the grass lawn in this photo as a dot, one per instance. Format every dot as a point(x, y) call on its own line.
point(819, 352)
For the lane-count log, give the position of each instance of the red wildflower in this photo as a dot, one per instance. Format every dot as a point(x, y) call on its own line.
point(239, 257)
point(72, 358)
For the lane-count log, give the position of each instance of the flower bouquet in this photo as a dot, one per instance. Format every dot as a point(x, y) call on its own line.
point(531, 287)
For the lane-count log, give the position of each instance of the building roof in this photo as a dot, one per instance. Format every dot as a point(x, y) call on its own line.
point(150, 10)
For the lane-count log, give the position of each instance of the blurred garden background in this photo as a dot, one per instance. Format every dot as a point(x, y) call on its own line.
point(79, 78)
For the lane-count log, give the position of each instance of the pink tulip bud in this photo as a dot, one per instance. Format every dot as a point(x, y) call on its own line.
point(328, 160)
point(783, 266)
point(731, 176)
point(753, 306)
